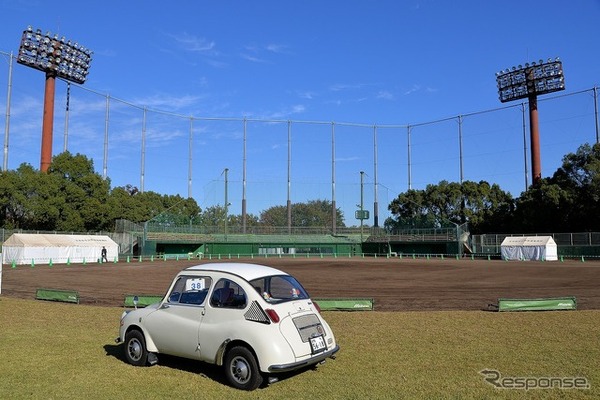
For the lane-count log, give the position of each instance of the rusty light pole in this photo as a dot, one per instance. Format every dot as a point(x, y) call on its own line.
point(56, 58)
point(529, 82)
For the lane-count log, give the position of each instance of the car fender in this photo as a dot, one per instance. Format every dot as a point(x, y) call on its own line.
point(277, 350)
point(150, 346)
point(134, 320)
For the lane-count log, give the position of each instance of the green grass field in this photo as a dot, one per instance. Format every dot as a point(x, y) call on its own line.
point(57, 351)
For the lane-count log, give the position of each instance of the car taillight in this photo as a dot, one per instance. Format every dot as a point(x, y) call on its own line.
point(272, 315)
point(317, 307)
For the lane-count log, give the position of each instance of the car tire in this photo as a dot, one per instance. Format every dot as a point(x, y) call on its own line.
point(241, 369)
point(135, 348)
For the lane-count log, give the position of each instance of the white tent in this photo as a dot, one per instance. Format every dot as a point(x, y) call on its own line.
point(25, 248)
point(529, 248)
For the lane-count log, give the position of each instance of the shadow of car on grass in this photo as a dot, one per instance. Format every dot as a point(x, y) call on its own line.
point(210, 371)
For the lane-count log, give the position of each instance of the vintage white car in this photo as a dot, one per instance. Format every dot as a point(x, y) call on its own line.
point(255, 321)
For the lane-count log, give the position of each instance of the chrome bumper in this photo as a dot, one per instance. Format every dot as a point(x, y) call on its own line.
point(310, 361)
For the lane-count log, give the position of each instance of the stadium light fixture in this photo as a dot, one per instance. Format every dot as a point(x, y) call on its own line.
point(56, 58)
point(532, 79)
point(529, 81)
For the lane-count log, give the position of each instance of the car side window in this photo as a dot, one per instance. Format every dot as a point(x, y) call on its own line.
point(228, 294)
point(190, 290)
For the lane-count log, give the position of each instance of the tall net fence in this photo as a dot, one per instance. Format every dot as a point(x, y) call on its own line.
point(171, 148)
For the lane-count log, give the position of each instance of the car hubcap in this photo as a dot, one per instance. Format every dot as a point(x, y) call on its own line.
point(135, 349)
point(240, 370)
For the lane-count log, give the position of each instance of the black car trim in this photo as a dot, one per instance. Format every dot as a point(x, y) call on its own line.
point(313, 360)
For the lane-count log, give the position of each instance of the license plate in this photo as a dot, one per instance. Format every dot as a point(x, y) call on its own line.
point(317, 344)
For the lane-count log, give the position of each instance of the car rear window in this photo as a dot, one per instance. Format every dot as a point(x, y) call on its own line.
point(279, 288)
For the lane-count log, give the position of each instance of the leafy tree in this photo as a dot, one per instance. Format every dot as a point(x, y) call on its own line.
point(172, 209)
point(539, 208)
point(569, 201)
point(27, 199)
point(12, 198)
point(124, 204)
point(449, 203)
point(410, 211)
point(487, 208)
point(251, 220)
point(73, 168)
point(169, 210)
point(314, 213)
point(274, 216)
point(83, 192)
point(213, 216)
point(580, 174)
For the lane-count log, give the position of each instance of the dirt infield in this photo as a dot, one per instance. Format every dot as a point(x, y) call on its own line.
point(395, 284)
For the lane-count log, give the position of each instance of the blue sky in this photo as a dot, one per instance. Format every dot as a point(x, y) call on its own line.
point(349, 73)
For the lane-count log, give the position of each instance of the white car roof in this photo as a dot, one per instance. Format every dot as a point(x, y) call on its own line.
point(245, 270)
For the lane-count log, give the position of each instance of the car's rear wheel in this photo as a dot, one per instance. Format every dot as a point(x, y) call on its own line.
point(241, 369)
point(135, 348)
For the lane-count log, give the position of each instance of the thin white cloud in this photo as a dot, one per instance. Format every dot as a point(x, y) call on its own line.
point(163, 135)
point(251, 58)
point(201, 46)
point(254, 52)
point(216, 63)
point(194, 43)
point(276, 48)
point(306, 95)
point(418, 88)
point(24, 106)
point(344, 86)
point(169, 102)
point(413, 89)
point(83, 105)
point(280, 115)
point(298, 109)
point(385, 95)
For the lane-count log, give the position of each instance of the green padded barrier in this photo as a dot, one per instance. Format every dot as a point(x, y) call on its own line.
point(345, 304)
point(68, 296)
point(547, 304)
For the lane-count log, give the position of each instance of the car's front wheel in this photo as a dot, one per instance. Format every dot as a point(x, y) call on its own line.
point(241, 369)
point(135, 348)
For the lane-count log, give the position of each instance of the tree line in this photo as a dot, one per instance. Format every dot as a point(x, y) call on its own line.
point(72, 197)
point(568, 201)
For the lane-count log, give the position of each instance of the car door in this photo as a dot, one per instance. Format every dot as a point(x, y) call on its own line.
point(223, 319)
point(175, 326)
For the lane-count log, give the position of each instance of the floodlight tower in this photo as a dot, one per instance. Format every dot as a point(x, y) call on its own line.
point(529, 82)
point(57, 58)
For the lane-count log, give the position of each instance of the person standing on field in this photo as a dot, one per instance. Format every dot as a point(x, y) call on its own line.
point(104, 259)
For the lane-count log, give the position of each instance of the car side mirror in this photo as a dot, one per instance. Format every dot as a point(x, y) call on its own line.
point(136, 300)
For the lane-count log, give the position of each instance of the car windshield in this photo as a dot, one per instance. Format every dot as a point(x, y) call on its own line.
point(279, 288)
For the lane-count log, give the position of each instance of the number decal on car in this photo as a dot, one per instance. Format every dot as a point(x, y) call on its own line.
point(194, 284)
